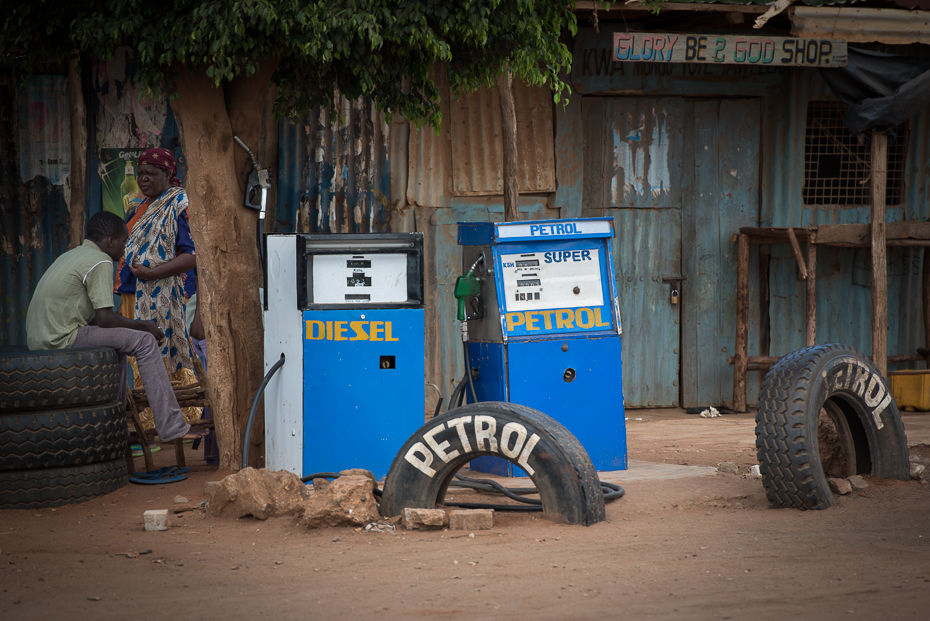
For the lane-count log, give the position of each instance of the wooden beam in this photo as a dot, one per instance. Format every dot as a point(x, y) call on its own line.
point(586, 6)
point(879, 252)
point(860, 235)
point(78, 151)
point(742, 324)
point(810, 319)
point(793, 240)
point(509, 138)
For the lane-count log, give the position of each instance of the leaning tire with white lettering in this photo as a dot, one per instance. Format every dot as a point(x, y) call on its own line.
point(58, 378)
point(556, 462)
point(825, 411)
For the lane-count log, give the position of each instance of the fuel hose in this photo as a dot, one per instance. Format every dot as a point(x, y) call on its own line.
point(258, 395)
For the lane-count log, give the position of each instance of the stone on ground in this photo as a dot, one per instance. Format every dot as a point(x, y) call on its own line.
point(728, 467)
point(857, 482)
point(260, 493)
point(839, 486)
point(471, 519)
point(347, 501)
point(424, 519)
point(156, 519)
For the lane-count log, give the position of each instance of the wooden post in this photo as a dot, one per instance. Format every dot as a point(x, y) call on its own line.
point(742, 323)
point(802, 269)
point(78, 151)
point(879, 252)
point(810, 322)
point(925, 290)
point(509, 139)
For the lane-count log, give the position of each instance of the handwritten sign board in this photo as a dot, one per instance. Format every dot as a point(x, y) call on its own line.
point(654, 47)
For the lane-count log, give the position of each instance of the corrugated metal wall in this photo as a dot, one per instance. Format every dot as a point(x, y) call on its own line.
point(35, 155)
point(843, 274)
point(334, 171)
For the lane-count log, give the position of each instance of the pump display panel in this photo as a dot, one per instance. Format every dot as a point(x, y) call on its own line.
point(360, 278)
point(556, 279)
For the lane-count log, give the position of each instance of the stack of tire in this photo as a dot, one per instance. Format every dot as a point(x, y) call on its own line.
point(63, 433)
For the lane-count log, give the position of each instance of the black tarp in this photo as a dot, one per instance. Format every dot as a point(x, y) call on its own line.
point(882, 90)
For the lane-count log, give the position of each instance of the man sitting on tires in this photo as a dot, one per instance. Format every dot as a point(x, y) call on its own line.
point(73, 307)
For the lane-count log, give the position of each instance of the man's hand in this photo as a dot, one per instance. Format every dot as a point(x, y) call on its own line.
point(106, 318)
point(152, 329)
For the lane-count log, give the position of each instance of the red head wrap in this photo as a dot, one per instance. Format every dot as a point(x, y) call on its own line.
point(162, 159)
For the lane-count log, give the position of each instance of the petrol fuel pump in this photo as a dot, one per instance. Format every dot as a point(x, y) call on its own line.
point(347, 313)
point(542, 328)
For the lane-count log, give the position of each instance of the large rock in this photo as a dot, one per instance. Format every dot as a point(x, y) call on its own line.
point(259, 493)
point(347, 501)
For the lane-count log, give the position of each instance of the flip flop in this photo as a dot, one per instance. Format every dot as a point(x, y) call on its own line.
point(157, 481)
point(161, 472)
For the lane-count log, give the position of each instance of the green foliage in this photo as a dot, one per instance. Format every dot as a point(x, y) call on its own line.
point(384, 49)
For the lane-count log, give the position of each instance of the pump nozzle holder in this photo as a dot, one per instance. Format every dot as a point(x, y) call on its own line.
point(466, 286)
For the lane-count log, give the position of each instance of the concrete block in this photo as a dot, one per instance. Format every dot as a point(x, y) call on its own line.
point(424, 519)
point(156, 519)
point(471, 519)
point(857, 482)
point(839, 486)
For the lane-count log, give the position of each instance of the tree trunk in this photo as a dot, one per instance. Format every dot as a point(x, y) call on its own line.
point(509, 139)
point(78, 152)
point(228, 267)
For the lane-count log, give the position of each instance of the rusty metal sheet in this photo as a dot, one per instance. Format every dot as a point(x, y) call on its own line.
point(35, 153)
point(862, 25)
point(334, 174)
point(429, 180)
point(631, 153)
point(477, 150)
point(569, 158)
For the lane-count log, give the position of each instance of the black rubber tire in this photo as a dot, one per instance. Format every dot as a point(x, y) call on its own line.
point(839, 383)
point(58, 378)
point(57, 438)
point(556, 462)
point(53, 487)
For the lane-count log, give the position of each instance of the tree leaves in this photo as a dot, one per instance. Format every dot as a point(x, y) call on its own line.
point(385, 49)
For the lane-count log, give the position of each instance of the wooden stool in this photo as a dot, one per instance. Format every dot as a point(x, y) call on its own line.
point(189, 396)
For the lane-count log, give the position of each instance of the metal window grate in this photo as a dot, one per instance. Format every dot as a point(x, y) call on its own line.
point(837, 164)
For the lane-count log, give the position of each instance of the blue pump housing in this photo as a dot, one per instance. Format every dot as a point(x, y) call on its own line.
point(550, 333)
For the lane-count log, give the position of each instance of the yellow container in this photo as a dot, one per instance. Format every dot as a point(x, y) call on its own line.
point(911, 389)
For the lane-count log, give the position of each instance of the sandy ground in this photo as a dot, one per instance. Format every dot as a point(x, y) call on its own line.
point(686, 547)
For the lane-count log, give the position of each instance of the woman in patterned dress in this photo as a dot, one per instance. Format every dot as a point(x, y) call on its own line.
point(158, 274)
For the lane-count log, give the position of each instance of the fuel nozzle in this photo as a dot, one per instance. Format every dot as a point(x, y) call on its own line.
point(467, 285)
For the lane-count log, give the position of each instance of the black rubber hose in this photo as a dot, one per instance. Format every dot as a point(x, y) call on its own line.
point(457, 394)
point(258, 395)
point(471, 383)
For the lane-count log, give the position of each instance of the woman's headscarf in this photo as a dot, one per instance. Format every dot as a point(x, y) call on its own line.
point(162, 159)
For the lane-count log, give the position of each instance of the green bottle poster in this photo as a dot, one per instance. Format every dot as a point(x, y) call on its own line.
point(118, 170)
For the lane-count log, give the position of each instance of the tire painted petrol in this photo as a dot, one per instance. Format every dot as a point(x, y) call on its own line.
point(476, 434)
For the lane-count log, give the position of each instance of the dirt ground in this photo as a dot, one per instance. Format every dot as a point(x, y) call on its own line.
point(703, 547)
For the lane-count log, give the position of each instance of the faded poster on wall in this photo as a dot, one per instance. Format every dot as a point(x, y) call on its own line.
point(44, 129)
point(118, 171)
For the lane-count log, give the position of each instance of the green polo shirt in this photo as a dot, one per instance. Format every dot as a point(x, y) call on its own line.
point(78, 282)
